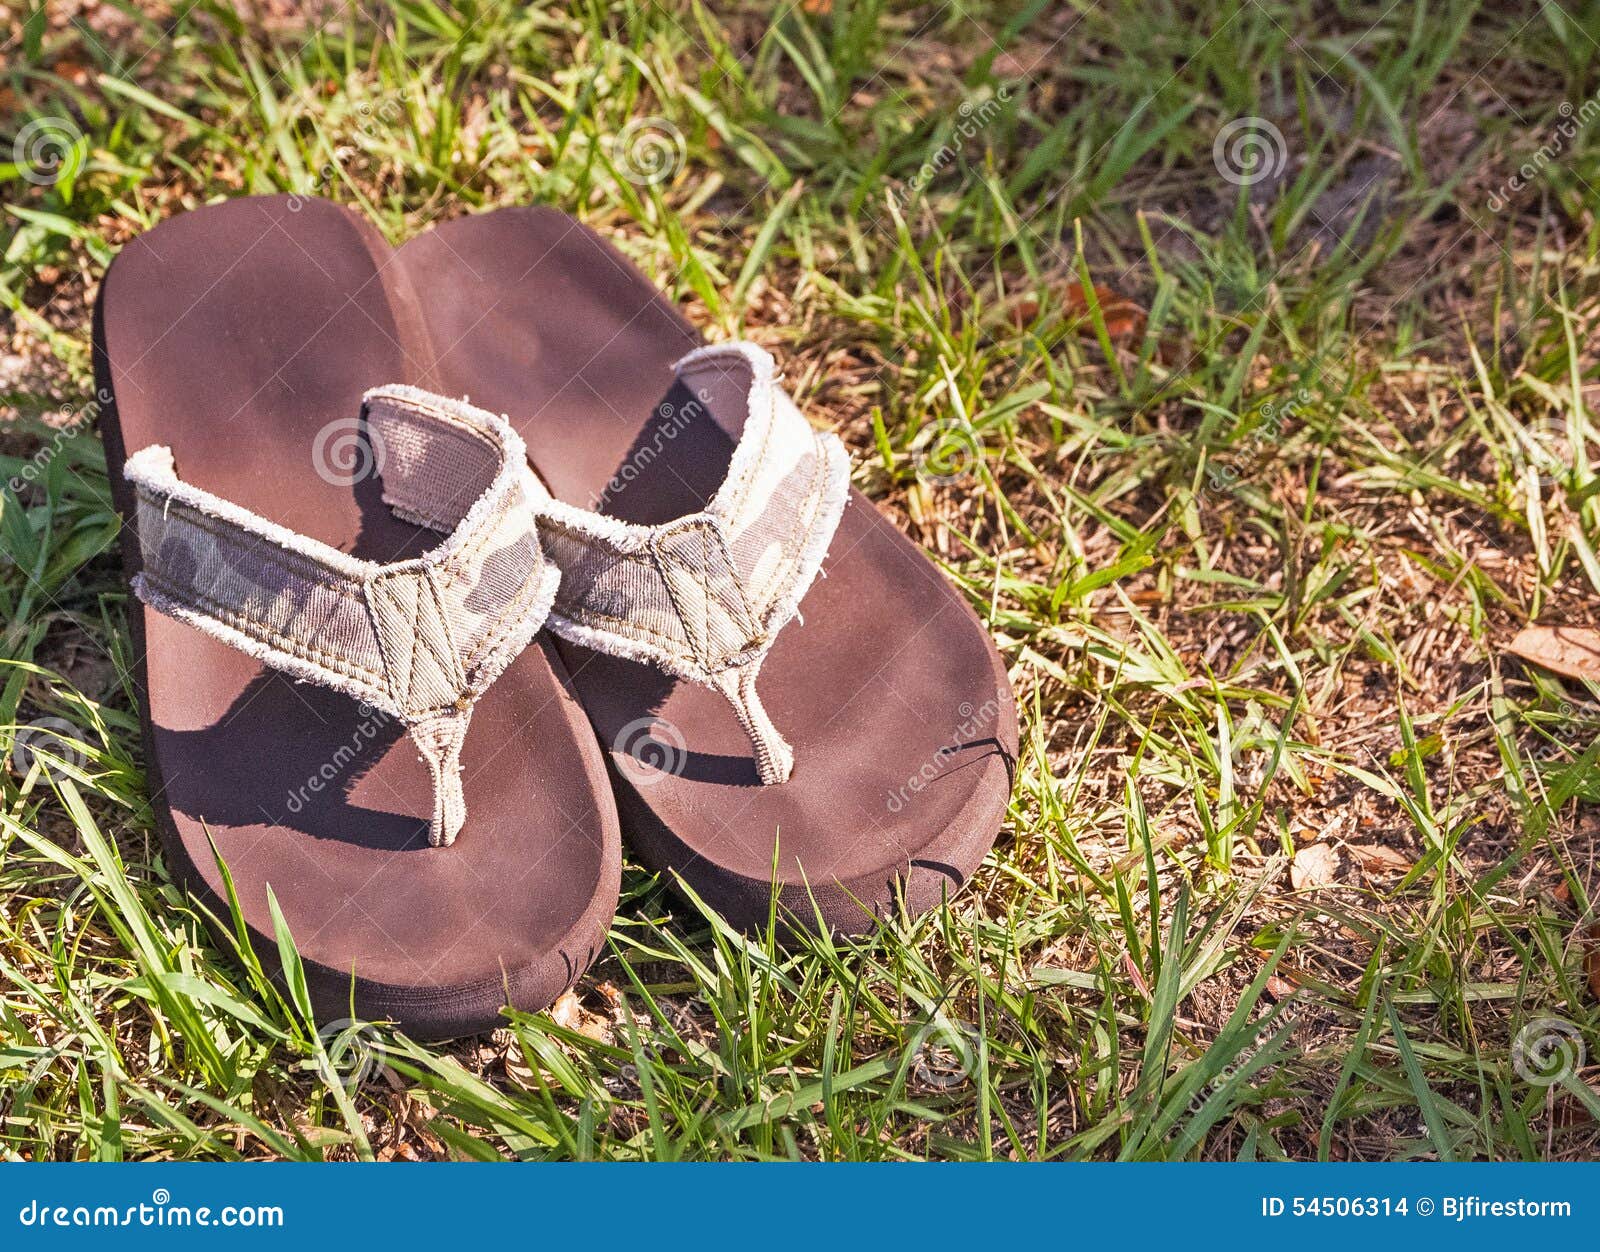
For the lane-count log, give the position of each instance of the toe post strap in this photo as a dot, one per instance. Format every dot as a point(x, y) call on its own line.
point(774, 756)
point(439, 739)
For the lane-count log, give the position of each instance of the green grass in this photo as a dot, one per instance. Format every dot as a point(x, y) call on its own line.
point(1252, 553)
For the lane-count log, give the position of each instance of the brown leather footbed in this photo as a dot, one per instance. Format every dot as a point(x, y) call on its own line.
point(234, 334)
point(891, 692)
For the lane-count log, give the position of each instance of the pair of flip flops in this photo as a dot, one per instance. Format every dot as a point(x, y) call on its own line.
point(623, 588)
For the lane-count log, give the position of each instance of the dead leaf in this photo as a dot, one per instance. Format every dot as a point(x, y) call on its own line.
point(1279, 988)
point(1023, 310)
point(1133, 973)
point(1571, 651)
point(1377, 859)
point(1313, 866)
point(566, 1013)
point(75, 72)
point(817, 8)
point(598, 1029)
point(1123, 318)
point(1592, 960)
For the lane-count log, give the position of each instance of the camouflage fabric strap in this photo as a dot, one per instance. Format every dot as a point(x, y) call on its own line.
point(420, 639)
point(703, 596)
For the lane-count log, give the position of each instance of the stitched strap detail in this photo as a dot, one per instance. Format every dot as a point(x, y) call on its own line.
point(420, 656)
point(705, 588)
point(421, 639)
point(704, 596)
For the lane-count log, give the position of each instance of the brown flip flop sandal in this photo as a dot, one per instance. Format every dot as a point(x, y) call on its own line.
point(336, 582)
point(692, 507)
